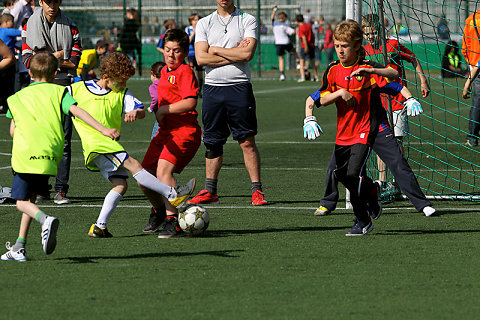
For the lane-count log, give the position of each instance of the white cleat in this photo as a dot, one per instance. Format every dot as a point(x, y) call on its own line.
point(428, 211)
point(49, 234)
point(11, 255)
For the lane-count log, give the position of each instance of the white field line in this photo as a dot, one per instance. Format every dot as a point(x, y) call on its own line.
point(472, 208)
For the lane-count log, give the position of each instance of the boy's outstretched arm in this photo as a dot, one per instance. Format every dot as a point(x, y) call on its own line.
point(425, 88)
point(134, 115)
point(468, 83)
point(88, 119)
point(12, 128)
point(272, 16)
point(311, 129)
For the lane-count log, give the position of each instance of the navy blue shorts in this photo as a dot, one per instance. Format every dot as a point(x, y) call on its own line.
point(310, 55)
point(228, 109)
point(26, 185)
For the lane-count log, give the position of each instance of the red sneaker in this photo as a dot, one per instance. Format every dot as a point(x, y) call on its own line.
point(204, 197)
point(258, 198)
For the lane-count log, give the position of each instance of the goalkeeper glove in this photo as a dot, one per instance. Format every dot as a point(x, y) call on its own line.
point(413, 107)
point(311, 129)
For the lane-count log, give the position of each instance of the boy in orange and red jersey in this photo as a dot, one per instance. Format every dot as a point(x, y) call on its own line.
point(354, 85)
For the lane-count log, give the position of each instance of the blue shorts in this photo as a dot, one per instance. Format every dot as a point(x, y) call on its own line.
point(228, 109)
point(26, 185)
point(310, 55)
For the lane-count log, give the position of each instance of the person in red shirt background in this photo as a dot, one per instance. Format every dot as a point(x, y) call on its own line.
point(179, 134)
point(307, 48)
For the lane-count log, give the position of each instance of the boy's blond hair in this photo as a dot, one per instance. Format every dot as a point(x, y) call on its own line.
point(350, 31)
point(43, 66)
point(116, 65)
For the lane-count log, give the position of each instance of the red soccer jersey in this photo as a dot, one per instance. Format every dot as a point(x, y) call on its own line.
point(396, 53)
point(174, 86)
point(306, 30)
point(360, 123)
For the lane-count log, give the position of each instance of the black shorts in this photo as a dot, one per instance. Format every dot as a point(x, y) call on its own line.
point(283, 48)
point(310, 55)
point(26, 185)
point(228, 109)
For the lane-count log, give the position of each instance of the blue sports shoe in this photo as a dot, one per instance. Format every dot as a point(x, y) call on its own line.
point(360, 228)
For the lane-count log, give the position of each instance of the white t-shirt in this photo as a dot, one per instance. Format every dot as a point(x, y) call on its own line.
point(281, 32)
point(212, 30)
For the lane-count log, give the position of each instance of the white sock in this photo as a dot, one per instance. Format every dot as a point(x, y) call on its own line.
point(109, 204)
point(151, 182)
point(428, 211)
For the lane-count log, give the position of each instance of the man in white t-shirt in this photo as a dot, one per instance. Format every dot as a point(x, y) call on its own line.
point(225, 42)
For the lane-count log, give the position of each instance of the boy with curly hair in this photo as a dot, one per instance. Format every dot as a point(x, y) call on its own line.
point(106, 99)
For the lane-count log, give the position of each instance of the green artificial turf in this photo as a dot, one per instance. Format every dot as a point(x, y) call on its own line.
point(271, 262)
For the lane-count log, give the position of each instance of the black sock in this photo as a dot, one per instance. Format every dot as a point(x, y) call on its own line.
point(256, 186)
point(211, 185)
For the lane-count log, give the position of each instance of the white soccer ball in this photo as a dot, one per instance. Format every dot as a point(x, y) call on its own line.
point(193, 219)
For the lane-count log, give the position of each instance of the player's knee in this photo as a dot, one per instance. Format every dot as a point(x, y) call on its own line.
point(213, 151)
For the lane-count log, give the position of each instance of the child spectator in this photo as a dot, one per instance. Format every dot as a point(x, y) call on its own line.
point(36, 127)
point(307, 50)
point(155, 77)
point(190, 30)
point(168, 24)
point(89, 60)
point(451, 62)
point(179, 134)
point(353, 84)
point(281, 32)
point(7, 76)
point(106, 155)
point(49, 29)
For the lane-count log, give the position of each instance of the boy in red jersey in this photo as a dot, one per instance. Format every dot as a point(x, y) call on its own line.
point(307, 48)
point(179, 134)
point(354, 85)
point(397, 53)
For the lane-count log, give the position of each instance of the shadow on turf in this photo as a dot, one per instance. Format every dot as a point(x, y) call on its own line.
point(414, 231)
point(99, 199)
point(221, 254)
point(226, 233)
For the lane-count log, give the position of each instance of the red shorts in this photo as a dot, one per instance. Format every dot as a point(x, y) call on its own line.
point(177, 147)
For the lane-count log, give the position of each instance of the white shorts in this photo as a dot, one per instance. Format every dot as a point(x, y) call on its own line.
point(110, 164)
point(400, 123)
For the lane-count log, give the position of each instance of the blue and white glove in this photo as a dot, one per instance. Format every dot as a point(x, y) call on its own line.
point(413, 107)
point(311, 129)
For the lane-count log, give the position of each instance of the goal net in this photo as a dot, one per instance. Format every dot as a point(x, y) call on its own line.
point(445, 165)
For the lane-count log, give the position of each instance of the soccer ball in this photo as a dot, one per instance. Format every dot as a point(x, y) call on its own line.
point(193, 219)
